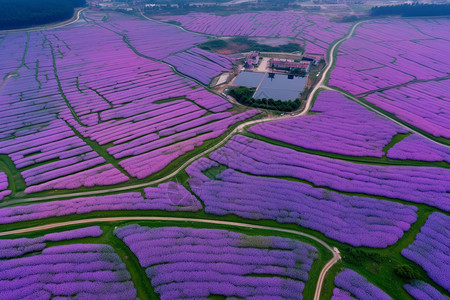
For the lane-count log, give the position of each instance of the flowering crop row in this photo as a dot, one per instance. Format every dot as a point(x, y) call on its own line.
point(4, 186)
point(348, 281)
point(431, 248)
point(198, 263)
point(355, 131)
point(195, 64)
point(386, 54)
point(165, 197)
point(269, 24)
point(18, 247)
point(389, 52)
point(421, 290)
point(424, 105)
point(318, 31)
point(428, 185)
point(339, 294)
point(416, 147)
point(70, 92)
point(83, 271)
point(12, 48)
point(358, 221)
point(172, 196)
point(145, 164)
point(36, 154)
point(150, 38)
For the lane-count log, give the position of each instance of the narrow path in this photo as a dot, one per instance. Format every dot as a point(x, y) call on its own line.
point(325, 269)
point(323, 272)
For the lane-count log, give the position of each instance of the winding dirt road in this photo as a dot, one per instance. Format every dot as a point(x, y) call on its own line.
point(323, 272)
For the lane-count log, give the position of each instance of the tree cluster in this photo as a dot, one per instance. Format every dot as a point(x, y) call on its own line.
point(25, 13)
point(412, 10)
point(244, 96)
point(252, 45)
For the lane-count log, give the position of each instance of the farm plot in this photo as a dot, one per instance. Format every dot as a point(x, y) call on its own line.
point(168, 43)
point(427, 185)
point(359, 221)
point(167, 196)
point(420, 290)
point(316, 31)
point(270, 24)
point(4, 186)
point(320, 33)
point(83, 271)
point(338, 125)
point(401, 69)
point(151, 135)
point(351, 285)
point(75, 120)
point(76, 163)
point(208, 262)
point(12, 47)
point(424, 105)
point(44, 149)
point(391, 52)
point(416, 147)
point(431, 247)
point(10, 248)
point(153, 39)
point(200, 64)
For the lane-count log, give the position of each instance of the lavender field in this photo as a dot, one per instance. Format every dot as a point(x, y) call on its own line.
point(128, 172)
point(208, 261)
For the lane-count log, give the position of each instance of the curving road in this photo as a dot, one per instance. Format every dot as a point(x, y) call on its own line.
point(323, 272)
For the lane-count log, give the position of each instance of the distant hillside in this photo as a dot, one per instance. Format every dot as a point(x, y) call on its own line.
point(412, 10)
point(25, 13)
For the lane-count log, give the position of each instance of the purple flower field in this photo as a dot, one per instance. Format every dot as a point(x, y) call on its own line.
point(18, 247)
point(378, 57)
point(317, 32)
point(137, 109)
point(4, 186)
point(153, 39)
point(339, 294)
point(424, 105)
point(218, 262)
point(420, 290)
point(350, 282)
point(356, 130)
point(83, 271)
point(200, 64)
point(428, 185)
point(358, 221)
point(167, 196)
point(431, 248)
point(111, 119)
point(415, 147)
point(172, 196)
